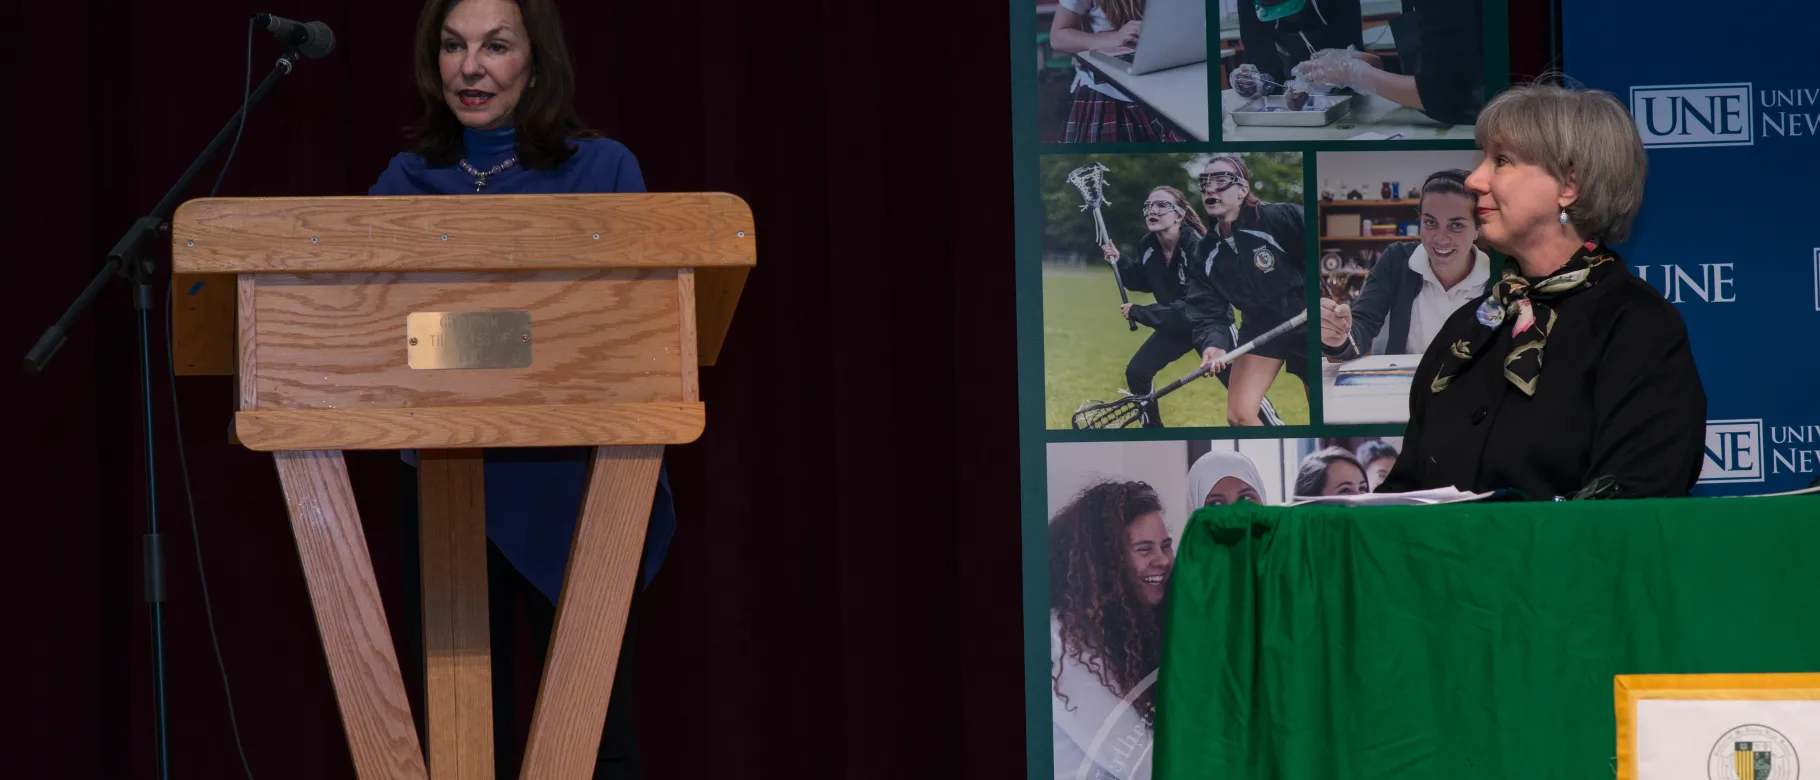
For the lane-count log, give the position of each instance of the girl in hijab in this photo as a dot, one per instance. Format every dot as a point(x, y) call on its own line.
point(1222, 478)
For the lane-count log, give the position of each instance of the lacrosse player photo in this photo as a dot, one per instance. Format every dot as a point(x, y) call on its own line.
point(1205, 255)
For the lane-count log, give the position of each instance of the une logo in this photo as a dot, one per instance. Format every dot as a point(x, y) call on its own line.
point(1733, 452)
point(1693, 114)
point(1713, 283)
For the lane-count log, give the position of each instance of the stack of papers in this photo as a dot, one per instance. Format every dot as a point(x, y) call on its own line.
point(1446, 495)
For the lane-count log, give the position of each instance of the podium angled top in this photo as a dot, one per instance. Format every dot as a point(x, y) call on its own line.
point(216, 239)
point(462, 233)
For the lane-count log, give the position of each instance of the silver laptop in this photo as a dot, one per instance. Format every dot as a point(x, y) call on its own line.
point(1174, 34)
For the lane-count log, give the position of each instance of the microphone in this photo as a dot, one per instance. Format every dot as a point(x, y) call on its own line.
point(314, 39)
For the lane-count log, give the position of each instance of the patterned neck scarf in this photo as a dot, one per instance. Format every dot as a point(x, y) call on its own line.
point(1529, 307)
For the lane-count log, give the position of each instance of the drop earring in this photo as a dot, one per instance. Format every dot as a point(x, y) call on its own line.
point(1563, 216)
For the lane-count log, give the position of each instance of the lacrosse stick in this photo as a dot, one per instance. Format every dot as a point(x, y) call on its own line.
point(1129, 411)
point(1090, 179)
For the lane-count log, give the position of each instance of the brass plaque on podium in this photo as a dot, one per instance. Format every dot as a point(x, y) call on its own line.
point(468, 339)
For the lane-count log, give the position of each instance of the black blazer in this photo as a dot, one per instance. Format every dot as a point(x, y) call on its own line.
point(1618, 395)
point(1164, 277)
point(1260, 274)
point(1390, 293)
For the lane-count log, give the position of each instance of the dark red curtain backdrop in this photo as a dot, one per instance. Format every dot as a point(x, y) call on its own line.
point(843, 597)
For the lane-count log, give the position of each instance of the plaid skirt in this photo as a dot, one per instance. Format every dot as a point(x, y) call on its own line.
point(1096, 117)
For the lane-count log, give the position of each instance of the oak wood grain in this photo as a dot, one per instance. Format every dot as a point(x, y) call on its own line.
point(686, 362)
point(202, 324)
point(349, 616)
point(246, 341)
point(472, 426)
point(716, 296)
point(462, 232)
point(458, 659)
point(591, 614)
point(338, 341)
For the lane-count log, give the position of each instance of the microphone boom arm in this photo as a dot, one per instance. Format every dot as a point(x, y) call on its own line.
point(132, 255)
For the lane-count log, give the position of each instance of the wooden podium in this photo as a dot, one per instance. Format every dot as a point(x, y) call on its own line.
point(448, 324)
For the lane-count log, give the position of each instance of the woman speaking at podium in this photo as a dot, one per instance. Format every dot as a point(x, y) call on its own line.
point(1571, 378)
point(498, 118)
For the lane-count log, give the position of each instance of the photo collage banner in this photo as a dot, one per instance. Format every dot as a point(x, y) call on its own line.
point(1207, 191)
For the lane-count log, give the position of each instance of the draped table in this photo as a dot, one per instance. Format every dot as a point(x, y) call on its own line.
point(1465, 640)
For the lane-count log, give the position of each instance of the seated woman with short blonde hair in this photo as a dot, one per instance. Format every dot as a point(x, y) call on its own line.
point(1571, 377)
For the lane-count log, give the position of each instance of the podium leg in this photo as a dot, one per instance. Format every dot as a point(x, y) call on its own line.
point(458, 658)
point(591, 614)
point(368, 686)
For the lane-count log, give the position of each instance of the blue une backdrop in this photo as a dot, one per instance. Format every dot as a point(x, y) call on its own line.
point(1730, 229)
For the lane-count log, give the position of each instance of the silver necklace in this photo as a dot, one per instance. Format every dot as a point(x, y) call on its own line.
point(480, 177)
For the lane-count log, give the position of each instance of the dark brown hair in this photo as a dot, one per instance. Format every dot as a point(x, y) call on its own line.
point(1181, 202)
point(544, 118)
point(1105, 625)
point(1447, 181)
point(1312, 476)
point(1376, 449)
point(1239, 166)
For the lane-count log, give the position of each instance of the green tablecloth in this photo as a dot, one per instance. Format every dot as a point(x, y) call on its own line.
point(1469, 640)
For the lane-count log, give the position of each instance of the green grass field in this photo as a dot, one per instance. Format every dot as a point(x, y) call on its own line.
point(1086, 346)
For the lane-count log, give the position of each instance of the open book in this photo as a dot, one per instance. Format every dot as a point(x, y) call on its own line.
point(1445, 495)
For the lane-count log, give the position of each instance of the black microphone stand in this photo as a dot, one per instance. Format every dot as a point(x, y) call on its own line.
point(133, 257)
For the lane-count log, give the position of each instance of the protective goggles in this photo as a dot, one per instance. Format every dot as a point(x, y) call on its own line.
point(1221, 181)
point(1161, 207)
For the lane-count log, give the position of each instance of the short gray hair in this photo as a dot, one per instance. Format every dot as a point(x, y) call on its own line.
point(1583, 134)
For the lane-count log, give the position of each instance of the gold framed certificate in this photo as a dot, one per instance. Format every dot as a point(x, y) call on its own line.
point(1718, 726)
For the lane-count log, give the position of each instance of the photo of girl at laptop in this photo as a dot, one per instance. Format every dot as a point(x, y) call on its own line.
point(1123, 71)
point(1350, 70)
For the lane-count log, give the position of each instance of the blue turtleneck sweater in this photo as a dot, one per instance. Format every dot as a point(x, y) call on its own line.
point(599, 165)
point(534, 495)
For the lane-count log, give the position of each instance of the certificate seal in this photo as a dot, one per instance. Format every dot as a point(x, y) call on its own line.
point(1753, 752)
